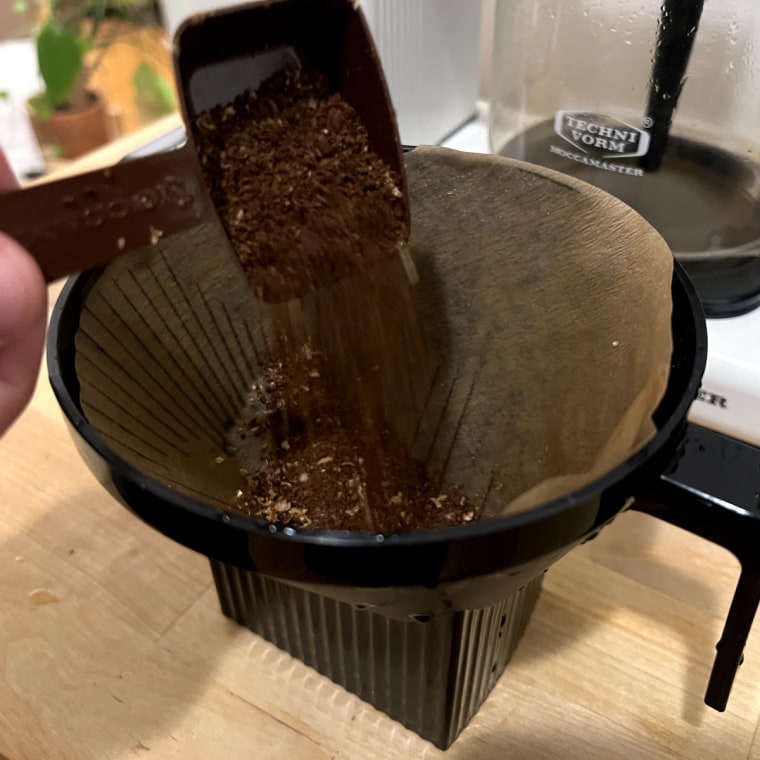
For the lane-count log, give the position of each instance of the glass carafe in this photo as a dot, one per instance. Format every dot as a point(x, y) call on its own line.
point(656, 102)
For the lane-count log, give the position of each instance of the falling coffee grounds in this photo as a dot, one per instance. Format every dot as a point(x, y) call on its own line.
point(317, 220)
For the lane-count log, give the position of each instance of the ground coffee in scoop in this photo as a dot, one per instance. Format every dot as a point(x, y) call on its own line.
point(302, 198)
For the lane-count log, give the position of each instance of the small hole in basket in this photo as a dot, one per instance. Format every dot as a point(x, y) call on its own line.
point(421, 618)
point(493, 668)
point(502, 621)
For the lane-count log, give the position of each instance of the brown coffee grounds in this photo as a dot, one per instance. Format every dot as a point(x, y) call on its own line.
point(301, 196)
point(315, 216)
point(324, 480)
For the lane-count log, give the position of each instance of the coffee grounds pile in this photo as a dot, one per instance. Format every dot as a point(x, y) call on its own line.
point(326, 481)
point(301, 196)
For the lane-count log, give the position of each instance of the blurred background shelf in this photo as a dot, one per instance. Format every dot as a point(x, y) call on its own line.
point(434, 55)
point(127, 65)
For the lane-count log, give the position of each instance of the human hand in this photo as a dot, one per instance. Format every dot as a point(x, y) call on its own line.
point(23, 317)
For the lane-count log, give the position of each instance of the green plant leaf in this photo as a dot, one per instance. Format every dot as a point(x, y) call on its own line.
point(60, 56)
point(85, 45)
point(155, 97)
point(4, 95)
point(20, 6)
point(40, 106)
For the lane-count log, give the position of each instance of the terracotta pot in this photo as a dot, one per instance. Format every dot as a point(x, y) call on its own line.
point(76, 132)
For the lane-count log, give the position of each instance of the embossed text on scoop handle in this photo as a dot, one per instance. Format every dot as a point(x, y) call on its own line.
point(85, 221)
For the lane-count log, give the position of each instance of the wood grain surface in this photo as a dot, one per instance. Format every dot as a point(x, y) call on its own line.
point(112, 645)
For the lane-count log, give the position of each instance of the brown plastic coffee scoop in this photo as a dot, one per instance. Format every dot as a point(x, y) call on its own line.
point(86, 221)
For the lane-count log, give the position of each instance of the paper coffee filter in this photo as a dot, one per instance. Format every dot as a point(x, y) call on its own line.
point(545, 306)
point(166, 349)
point(556, 306)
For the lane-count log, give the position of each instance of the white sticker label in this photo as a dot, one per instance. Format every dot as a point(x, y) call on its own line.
point(601, 136)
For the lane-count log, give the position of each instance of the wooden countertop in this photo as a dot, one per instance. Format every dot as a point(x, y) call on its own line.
point(112, 645)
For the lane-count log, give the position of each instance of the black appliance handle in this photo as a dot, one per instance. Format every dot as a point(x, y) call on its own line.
point(712, 489)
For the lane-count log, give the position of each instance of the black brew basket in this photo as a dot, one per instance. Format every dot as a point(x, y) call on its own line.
point(420, 624)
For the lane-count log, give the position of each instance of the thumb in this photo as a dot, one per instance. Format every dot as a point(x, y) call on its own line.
point(23, 316)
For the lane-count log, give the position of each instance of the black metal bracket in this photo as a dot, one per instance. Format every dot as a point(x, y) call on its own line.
point(712, 489)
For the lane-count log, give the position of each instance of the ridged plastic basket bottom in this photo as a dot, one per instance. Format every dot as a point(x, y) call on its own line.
point(430, 673)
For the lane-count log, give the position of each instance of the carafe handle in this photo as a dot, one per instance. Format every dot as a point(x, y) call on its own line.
point(712, 489)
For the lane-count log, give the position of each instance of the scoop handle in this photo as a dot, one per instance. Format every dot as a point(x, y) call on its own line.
point(81, 222)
